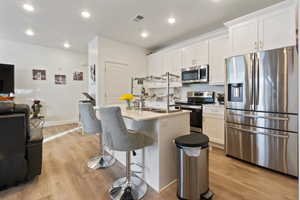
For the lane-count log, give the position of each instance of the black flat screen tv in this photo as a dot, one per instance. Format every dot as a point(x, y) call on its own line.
point(7, 82)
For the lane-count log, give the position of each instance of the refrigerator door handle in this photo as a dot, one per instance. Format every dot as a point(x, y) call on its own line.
point(256, 81)
point(252, 81)
point(261, 133)
point(264, 117)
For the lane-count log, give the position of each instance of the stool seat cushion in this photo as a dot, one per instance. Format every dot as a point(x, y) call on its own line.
point(134, 141)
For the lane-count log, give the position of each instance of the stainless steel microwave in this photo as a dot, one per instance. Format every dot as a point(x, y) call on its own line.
point(197, 74)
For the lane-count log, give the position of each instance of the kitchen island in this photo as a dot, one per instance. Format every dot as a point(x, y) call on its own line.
point(160, 159)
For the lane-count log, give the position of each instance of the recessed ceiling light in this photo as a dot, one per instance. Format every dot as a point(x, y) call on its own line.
point(171, 20)
point(216, 1)
point(144, 34)
point(28, 7)
point(29, 32)
point(85, 14)
point(67, 45)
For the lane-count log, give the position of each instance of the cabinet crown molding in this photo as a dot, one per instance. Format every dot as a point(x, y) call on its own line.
point(277, 7)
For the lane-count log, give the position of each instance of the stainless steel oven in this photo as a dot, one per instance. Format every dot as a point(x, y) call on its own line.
point(194, 103)
point(195, 117)
point(198, 74)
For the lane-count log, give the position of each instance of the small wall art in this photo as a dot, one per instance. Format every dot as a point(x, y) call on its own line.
point(77, 76)
point(60, 79)
point(39, 74)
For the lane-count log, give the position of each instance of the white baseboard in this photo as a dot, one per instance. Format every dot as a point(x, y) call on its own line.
point(165, 187)
point(57, 123)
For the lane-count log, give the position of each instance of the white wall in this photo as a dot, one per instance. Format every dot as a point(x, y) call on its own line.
point(112, 51)
point(60, 102)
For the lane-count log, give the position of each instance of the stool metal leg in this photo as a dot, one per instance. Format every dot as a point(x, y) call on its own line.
point(101, 161)
point(129, 187)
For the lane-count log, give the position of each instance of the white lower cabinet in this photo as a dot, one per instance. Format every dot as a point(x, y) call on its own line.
point(213, 124)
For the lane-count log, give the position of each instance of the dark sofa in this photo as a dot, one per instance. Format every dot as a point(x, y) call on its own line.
point(20, 145)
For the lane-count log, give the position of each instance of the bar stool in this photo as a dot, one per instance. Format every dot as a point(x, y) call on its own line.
point(92, 125)
point(118, 138)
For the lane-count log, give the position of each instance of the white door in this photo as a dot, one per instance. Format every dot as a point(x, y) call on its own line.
point(277, 29)
point(117, 82)
point(201, 53)
point(218, 51)
point(244, 38)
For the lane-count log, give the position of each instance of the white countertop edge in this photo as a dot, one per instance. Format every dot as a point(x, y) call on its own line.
point(145, 115)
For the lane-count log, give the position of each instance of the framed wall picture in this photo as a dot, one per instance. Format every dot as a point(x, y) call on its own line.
point(60, 79)
point(39, 74)
point(77, 76)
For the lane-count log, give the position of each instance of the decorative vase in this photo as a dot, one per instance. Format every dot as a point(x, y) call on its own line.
point(36, 108)
point(128, 105)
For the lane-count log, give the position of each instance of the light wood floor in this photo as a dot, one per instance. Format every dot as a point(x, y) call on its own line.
point(65, 176)
point(53, 130)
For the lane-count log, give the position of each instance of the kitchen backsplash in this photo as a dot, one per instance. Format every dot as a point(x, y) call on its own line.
point(201, 88)
point(160, 93)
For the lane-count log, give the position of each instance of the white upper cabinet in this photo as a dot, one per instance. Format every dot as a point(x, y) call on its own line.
point(176, 61)
point(167, 63)
point(218, 51)
point(201, 53)
point(244, 38)
point(188, 59)
point(277, 29)
point(270, 28)
point(173, 62)
point(196, 54)
point(155, 65)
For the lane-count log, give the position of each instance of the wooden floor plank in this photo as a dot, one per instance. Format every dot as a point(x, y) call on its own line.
point(65, 176)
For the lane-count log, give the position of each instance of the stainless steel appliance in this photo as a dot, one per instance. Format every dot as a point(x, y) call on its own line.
point(198, 74)
point(194, 103)
point(262, 109)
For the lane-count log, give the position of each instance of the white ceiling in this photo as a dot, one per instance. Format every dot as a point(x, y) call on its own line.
point(57, 21)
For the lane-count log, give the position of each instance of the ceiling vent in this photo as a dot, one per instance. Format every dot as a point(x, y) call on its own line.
point(138, 18)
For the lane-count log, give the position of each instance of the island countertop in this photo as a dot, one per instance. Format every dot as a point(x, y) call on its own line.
point(139, 115)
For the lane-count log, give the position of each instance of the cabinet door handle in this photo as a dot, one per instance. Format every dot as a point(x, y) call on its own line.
point(255, 45)
point(193, 62)
point(261, 44)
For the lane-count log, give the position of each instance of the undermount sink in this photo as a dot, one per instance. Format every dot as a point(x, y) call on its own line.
point(157, 110)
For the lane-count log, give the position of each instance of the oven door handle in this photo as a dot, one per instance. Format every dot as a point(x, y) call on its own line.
point(260, 133)
point(184, 107)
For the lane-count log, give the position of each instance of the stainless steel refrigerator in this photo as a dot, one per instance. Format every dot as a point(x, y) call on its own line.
point(262, 109)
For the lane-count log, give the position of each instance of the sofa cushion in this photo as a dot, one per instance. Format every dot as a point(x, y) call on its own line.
point(6, 107)
point(23, 108)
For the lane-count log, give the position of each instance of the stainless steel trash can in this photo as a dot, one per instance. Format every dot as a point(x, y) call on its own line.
point(193, 178)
